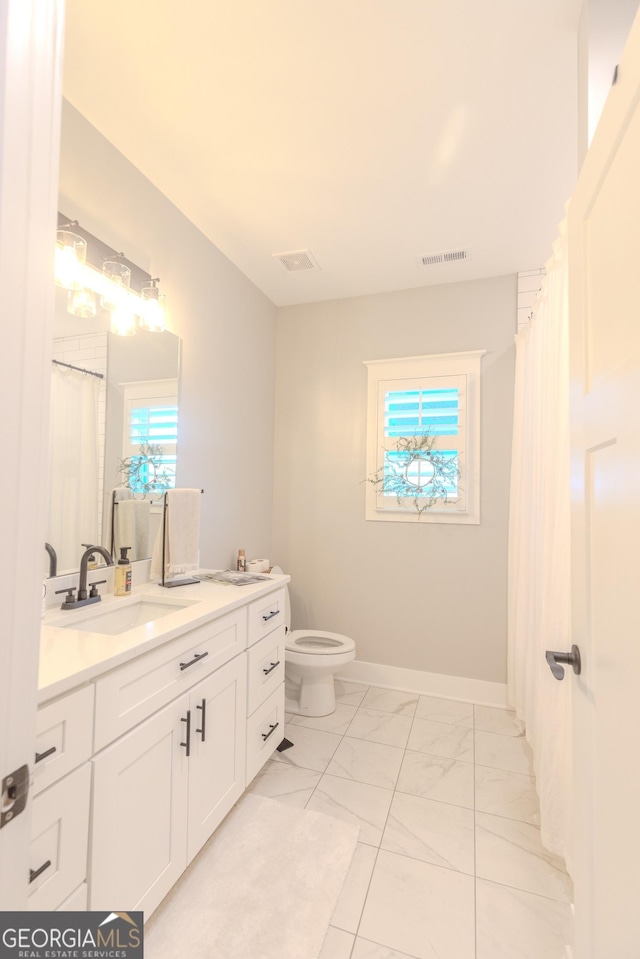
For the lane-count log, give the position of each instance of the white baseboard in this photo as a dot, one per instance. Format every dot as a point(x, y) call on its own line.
point(427, 684)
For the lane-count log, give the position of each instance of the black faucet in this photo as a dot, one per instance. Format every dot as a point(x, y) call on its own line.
point(94, 596)
point(53, 560)
point(84, 565)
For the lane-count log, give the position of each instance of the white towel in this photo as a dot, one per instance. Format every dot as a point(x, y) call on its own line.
point(132, 527)
point(119, 495)
point(182, 535)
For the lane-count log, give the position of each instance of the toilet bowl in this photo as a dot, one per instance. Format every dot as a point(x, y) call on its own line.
point(312, 657)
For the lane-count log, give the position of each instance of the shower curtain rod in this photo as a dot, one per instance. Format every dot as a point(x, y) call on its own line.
point(70, 366)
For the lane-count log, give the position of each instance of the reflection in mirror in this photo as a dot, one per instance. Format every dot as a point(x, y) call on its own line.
point(97, 421)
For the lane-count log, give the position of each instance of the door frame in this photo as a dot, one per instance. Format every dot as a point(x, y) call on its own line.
point(31, 41)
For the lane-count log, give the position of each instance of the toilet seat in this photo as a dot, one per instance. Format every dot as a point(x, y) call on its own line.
point(317, 642)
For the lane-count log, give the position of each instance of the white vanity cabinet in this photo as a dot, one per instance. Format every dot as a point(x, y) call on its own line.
point(161, 789)
point(163, 744)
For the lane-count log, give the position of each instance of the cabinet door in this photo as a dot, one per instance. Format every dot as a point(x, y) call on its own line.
point(140, 813)
point(59, 834)
point(216, 765)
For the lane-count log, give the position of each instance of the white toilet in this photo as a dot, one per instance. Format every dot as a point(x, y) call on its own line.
point(312, 658)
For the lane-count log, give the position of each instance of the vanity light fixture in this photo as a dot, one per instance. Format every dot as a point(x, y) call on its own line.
point(71, 256)
point(152, 317)
point(93, 272)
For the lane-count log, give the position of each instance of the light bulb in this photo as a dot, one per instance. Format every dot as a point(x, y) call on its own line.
point(81, 303)
point(123, 322)
point(117, 277)
point(71, 255)
point(152, 317)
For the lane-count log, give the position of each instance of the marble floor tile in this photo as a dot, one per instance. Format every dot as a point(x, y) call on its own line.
point(492, 720)
point(511, 853)
point(380, 727)
point(337, 944)
point(351, 694)
point(512, 924)
point(312, 748)
point(363, 949)
point(445, 711)
point(504, 752)
point(441, 739)
point(336, 722)
point(348, 909)
point(434, 777)
point(432, 831)
point(419, 909)
point(365, 806)
point(504, 793)
point(366, 762)
point(391, 701)
point(289, 784)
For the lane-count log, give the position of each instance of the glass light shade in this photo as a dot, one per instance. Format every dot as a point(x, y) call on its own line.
point(117, 278)
point(71, 256)
point(123, 322)
point(152, 317)
point(81, 303)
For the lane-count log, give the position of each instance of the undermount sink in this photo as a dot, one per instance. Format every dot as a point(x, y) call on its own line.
point(112, 621)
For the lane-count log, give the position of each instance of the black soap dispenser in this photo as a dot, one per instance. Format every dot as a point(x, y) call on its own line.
point(122, 584)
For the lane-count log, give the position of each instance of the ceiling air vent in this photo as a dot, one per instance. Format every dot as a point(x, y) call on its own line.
point(298, 260)
point(446, 256)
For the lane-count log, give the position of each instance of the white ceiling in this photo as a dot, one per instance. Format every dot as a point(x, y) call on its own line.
point(369, 132)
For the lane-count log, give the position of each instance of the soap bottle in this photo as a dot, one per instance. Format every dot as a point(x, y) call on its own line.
point(242, 561)
point(122, 579)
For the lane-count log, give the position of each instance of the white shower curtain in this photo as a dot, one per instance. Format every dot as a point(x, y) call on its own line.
point(539, 547)
point(73, 464)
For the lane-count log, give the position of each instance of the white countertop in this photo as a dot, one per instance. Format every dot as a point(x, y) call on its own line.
point(71, 657)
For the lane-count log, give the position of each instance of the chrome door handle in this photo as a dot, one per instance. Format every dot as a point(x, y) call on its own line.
point(569, 659)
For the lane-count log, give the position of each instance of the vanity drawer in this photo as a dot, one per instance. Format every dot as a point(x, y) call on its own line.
point(265, 615)
point(59, 839)
point(130, 694)
point(63, 737)
point(265, 668)
point(265, 731)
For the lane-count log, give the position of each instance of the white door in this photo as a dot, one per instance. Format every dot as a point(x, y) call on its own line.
point(139, 821)
point(30, 104)
point(604, 264)
point(216, 765)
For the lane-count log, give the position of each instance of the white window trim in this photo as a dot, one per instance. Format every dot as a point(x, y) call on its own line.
point(389, 374)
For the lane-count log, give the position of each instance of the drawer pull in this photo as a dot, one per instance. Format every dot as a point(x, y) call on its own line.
point(202, 730)
point(187, 719)
point(48, 752)
point(34, 873)
point(272, 729)
point(196, 658)
point(274, 612)
point(271, 668)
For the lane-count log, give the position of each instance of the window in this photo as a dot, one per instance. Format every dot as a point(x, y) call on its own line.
point(423, 439)
point(151, 417)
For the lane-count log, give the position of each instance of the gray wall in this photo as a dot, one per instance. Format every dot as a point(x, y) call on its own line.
point(413, 595)
point(227, 327)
